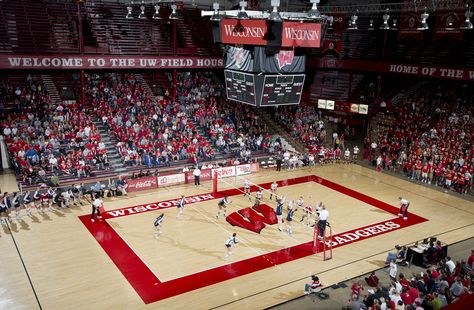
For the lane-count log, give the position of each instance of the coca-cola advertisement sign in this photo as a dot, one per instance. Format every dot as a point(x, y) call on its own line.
point(142, 184)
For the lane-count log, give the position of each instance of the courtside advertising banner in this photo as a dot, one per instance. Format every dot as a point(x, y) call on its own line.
point(224, 172)
point(243, 169)
point(206, 175)
point(237, 170)
point(142, 184)
point(171, 179)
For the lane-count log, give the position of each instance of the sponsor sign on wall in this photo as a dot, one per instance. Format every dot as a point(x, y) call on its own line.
point(224, 172)
point(142, 184)
point(171, 179)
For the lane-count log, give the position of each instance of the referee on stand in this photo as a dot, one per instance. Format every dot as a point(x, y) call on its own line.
point(323, 218)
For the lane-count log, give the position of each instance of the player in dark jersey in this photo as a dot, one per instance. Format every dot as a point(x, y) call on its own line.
point(180, 206)
point(158, 223)
point(222, 206)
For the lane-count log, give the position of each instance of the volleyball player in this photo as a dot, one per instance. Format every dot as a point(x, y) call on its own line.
point(355, 153)
point(7, 205)
point(258, 197)
point(4, 210)
point(28, 203)
point(229, 244)
point(307, 211)
point(38, 203)
point(279, 211)
point(247, 188)
point(273, 189)
point(158, 223)
point(222, 206)
point(50, 196)
point(299, 203)
point(180, 206)
point(404, 204)
point(289, 217)
point(347, 156)
point(16, 203)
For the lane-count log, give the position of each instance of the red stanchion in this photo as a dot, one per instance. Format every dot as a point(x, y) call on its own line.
point(214, 183)
point(325, 242)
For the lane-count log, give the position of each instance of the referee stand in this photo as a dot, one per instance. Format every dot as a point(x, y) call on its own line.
point(325, 243)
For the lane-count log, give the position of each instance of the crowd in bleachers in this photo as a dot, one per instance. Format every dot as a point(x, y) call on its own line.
point(430, 140)
point(150, 131)
point(304, 123)
point(45, 139)
point(234, 128)
point(443, 283)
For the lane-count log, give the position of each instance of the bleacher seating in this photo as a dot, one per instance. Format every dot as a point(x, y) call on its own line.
point(43, 26)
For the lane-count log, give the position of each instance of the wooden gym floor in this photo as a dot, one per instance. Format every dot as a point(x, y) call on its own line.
point(117, 263)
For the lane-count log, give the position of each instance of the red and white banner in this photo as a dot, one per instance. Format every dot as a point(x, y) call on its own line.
point(398, 68)
point(107, 62)
point(142, 184)
point(246, 169)
point(171, 179)
point(296, 34)
point(206, 175)
point(224, 172)
point(254, 32)
point(243, 31)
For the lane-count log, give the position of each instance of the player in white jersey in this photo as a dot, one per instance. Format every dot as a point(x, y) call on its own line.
point(180, 206)
point(16, 203)
point(222, 206)
point(347, 156)
point(273, 189)
point(158, 223)
point(355, 153)
point(299, 203)
point(37, 201)
point(258, 197)
point(307, 212)
point(247, 188)
point(229, 244)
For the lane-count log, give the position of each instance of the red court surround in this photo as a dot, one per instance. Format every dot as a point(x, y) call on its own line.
point(151, 289)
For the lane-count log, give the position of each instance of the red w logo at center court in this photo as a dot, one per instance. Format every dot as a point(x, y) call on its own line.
point(249, 219)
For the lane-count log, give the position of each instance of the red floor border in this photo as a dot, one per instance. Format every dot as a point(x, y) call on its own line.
point(151, 289)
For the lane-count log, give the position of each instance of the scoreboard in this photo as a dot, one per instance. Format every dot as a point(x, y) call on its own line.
point(264, 90)
point(282, 89)
point(240, 86)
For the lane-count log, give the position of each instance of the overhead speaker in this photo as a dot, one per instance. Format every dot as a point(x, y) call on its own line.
point(216, 31)
point(274, 31)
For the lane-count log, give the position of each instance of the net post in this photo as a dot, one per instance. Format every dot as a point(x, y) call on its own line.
point(214, 183)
